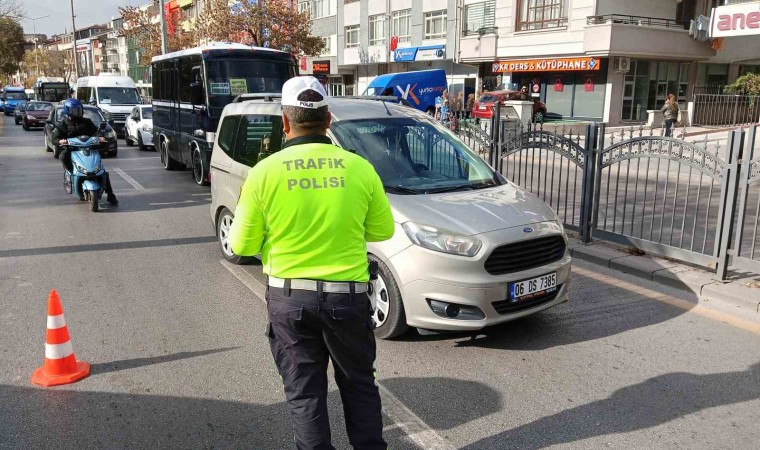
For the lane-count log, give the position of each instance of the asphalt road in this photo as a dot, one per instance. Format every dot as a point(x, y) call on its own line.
point(179, 360)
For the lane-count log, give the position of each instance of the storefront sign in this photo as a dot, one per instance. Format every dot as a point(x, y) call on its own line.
point(735, 20)
point(427, 53)
point(547, 65)
point(320, 67)
point(302, 64)
point(559, 86)
point(83, 45)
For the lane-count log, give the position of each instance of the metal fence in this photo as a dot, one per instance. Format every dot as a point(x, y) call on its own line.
point(725, 110)
point(698, 202)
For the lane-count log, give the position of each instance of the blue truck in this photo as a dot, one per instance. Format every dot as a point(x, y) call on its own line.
point(420, 88)
point(12, 95)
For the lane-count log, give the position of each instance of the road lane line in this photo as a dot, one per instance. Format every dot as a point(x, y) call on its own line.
point(670, 300)
point(414, 427)
point(129, 179)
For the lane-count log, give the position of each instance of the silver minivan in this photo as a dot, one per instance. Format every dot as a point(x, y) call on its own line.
point(471, 249)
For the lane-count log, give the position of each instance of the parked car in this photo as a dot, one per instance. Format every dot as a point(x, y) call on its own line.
point(35, 114)
point(19, 112)
point(483, 106)
point(110, 148)
point(470, 249)
point(420, 88)
point(140, 127)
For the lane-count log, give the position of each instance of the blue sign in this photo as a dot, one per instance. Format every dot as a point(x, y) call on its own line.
point(428, 52)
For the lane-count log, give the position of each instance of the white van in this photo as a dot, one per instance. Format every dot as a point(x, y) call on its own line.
point(111, 92)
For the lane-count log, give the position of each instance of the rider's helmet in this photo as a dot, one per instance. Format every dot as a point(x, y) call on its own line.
point(73, 108)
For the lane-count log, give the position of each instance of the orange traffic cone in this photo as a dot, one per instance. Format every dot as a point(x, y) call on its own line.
point(61, 366)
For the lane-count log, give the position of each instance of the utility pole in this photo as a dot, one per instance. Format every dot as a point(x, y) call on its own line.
point(36, 40)
point(162, 14)
point(74, 43)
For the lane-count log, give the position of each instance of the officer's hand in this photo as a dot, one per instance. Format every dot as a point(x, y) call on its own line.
point(63, 142)
point(102, 139)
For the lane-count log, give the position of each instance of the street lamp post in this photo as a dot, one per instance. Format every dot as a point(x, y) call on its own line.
point(74, 43)
point(36, 40)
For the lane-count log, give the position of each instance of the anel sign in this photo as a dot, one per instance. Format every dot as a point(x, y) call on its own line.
point(547, 65)
point(735, 20)
point(320, 67)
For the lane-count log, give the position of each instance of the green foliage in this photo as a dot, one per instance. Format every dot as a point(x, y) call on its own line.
point(748, 84)
point(11, 46)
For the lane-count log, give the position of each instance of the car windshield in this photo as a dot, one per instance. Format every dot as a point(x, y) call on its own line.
point(118, 96)
point(229, 78)
point(91, 113)
point(38, 106)
point(15, 96)
point(415, 156)
point(487, 98)
point(147, 113)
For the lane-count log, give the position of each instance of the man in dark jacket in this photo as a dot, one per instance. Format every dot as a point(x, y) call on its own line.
point(74, 124)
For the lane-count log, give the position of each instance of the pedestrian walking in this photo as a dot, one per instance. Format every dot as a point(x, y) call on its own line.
point(310, 210)
point(670, 113)
point(470, 104)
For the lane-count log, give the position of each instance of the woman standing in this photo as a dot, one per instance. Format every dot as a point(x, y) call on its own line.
point(470, 104)
point(445, 105)
point(670, 112)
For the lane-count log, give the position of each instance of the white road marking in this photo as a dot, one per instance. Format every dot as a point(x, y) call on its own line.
point(173, 203)
point(129, 179)
point(414, 427)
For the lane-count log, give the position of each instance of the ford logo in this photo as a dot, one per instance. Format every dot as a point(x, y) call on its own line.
point(527, 230)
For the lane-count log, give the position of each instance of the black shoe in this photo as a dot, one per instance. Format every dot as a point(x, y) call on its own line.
point(110, 198)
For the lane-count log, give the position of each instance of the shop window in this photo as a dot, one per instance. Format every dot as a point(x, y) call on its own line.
point(377, 29)
point(479, 17)
point(352, 36)
point(400, 25)
point(435, 24)
point(541, 14)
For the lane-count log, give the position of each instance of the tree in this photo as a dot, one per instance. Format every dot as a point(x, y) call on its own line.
point(139, 24)
point(259, 23)
point(748, 84)
point(11, 46)
point(11, 9)
point(51, 63)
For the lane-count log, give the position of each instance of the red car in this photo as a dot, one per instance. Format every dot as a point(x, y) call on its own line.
point(35, 114)
point(482, 108)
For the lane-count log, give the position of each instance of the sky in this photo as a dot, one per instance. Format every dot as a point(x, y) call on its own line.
point(88, 12)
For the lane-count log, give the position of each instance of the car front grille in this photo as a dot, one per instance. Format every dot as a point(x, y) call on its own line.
point(525, 255)
point(119, 117)
point(507, 307)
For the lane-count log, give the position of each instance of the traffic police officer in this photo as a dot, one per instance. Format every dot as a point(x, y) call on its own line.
point(310, 210)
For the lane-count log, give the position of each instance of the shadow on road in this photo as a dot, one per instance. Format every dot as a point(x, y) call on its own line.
point(115, 366)
point(105, 246)
point(60, 418)
point(644, 405)
point(596, 310)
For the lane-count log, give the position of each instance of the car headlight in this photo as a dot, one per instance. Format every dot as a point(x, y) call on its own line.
point(147, 128)
point(111, 134)
point(443, 241)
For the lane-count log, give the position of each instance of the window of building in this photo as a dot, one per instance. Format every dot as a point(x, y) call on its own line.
point(303, 6)
point(320, 8)
point(377, 29)
point(401, 25)
point(335, 87)
point(352, 36)
point(541, 14)
point(479, 16)
point(327, 41)
point(435, 24)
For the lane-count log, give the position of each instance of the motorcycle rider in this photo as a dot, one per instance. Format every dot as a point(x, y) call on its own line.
point(73, 125)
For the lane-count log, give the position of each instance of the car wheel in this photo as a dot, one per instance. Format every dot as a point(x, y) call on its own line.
point(199, 172)
point(167, 161)
point(47, 146)
point(129, 141)
point(538, 117)
point(114, 152)
point(223, 225)
point(56, 151)
point(16, 121)
point(140, 144)
point(387, 306)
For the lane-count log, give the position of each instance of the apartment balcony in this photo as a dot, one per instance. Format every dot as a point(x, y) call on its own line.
point(642, 37)
point(478, 43)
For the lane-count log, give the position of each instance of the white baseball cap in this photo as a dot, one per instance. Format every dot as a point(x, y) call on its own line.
point(294, 87)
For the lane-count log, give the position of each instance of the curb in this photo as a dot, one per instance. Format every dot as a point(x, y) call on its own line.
point(739, 297)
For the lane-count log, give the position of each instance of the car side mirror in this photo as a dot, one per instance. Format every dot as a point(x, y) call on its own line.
point(196, 93)
point(102, 125)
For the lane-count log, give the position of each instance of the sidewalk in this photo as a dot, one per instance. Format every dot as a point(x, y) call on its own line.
point(739, 297)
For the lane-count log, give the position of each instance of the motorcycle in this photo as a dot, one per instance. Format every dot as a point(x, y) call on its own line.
point(87, 180)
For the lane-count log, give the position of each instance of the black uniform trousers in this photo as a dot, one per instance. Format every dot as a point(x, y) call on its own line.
point(307, 329)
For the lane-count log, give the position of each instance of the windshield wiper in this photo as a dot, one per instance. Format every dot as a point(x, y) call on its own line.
point(461, 187)
point(401, 190)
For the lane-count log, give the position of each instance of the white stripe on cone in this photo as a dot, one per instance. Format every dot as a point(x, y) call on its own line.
point(54, 322)
point(58, 351)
